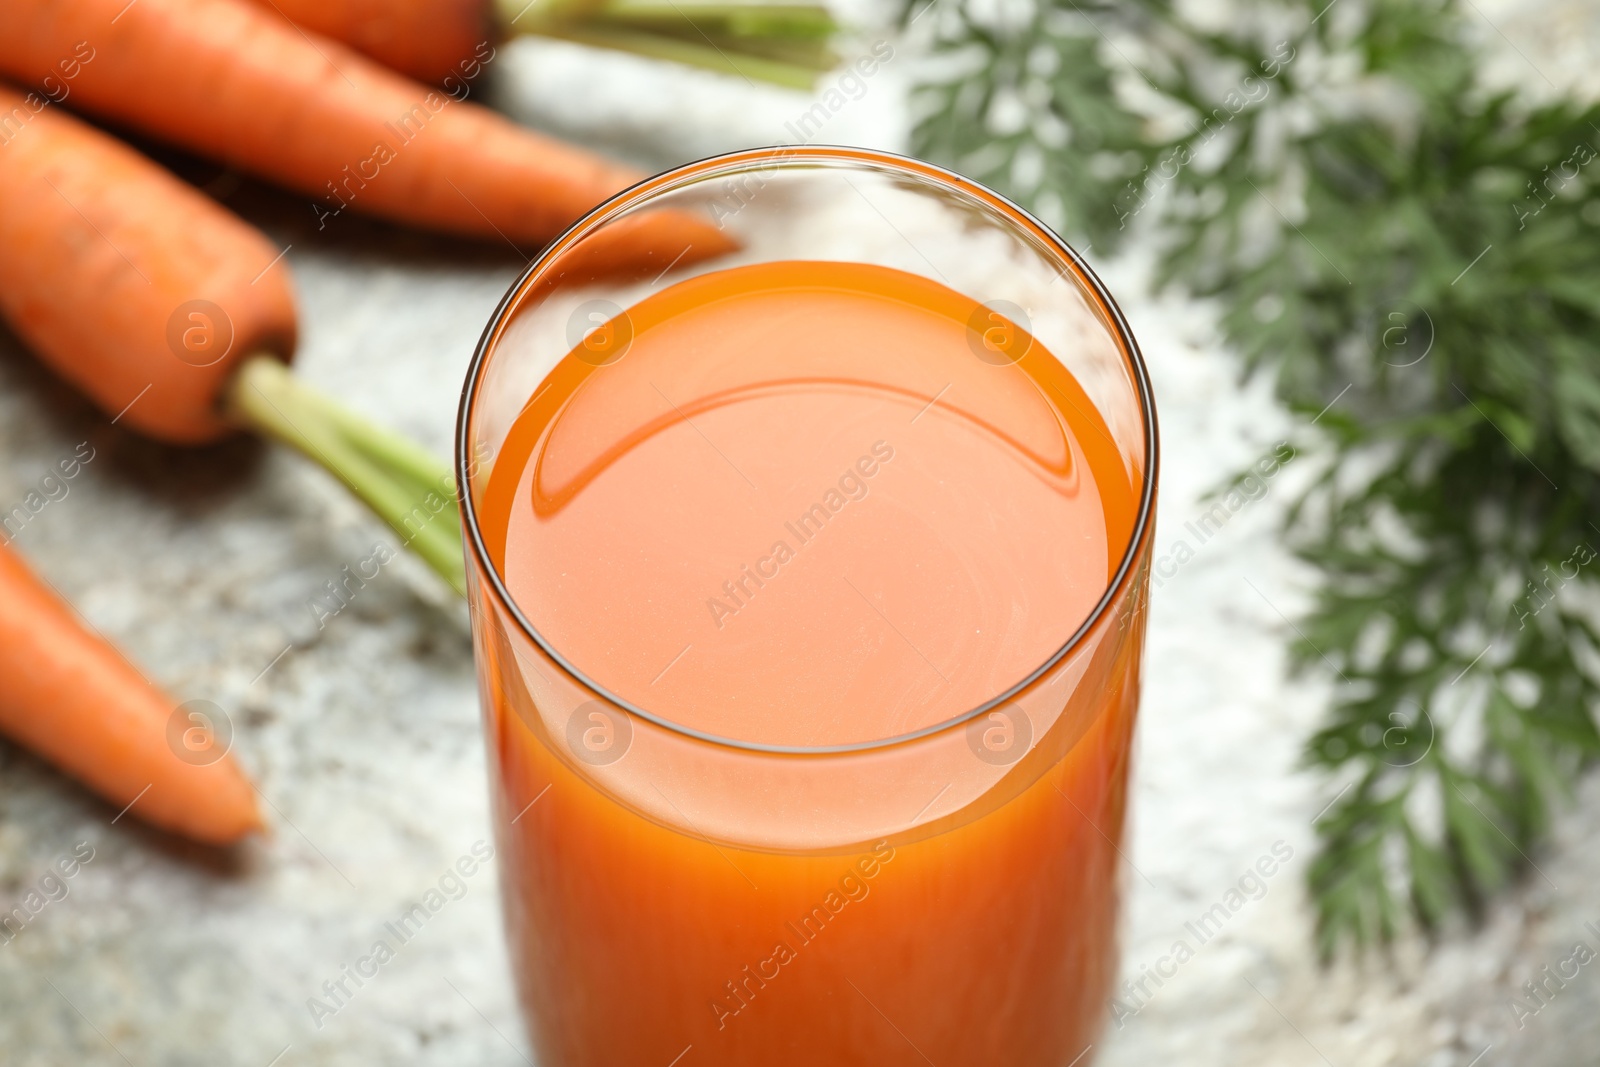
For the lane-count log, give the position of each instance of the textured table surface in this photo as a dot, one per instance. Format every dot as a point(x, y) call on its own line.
point(363, 734)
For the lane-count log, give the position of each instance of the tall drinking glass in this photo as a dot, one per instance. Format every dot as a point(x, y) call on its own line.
point(807, 565)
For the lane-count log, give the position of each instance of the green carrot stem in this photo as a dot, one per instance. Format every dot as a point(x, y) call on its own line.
point(746, 19)
point(807, 56)
point(782, 43)
point(705, 56)
point(400, 456)
point(389, 474)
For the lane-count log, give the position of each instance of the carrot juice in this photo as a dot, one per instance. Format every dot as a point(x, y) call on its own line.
point(762, 542)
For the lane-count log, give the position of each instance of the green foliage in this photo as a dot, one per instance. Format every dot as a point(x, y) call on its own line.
point(1417, 260)
point(1024, 104)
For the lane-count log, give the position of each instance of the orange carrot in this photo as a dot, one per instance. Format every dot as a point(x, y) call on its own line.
point(430, 40)
point(228, 80)
point(173, 315)
point(138, 289)
point(71, 697)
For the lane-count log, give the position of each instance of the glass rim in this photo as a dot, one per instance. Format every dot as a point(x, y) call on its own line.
point(779, 155)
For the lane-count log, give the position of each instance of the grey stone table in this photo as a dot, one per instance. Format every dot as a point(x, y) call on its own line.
point(363, 733)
